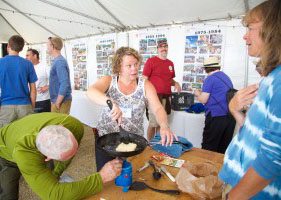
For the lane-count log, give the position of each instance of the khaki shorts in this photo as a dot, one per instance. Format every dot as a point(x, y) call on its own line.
point(152, 118)
point(64, 108)
point(9, 113)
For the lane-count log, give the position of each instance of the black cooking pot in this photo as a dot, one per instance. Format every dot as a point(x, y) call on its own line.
point(109, 142)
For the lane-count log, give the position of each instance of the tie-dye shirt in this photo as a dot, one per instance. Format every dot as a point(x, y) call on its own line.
point(258, 143)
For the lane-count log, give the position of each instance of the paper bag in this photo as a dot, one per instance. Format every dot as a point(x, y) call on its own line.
point(200, 180)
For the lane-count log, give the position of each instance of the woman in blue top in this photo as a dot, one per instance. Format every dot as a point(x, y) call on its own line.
point(252, 162)
point(219, 125)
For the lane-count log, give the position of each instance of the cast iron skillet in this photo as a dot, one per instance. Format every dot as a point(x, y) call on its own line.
point(109, 142)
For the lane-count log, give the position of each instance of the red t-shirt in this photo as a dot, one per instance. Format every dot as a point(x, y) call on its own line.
point(160, 73)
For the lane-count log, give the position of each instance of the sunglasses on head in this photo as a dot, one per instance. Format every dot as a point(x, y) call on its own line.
point(50, 38)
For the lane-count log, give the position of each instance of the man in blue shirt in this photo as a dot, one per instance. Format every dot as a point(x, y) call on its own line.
point(16, 75)
point(59, 86)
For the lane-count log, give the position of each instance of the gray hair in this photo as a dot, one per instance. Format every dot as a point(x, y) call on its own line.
point(54, 140)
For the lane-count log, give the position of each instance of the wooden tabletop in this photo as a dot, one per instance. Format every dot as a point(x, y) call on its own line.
point(111, 191)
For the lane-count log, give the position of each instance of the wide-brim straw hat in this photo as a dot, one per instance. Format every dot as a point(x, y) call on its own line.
point(211, 62)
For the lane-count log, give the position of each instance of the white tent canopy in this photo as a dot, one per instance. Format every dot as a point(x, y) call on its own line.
point(36, 20)
point(127, 22)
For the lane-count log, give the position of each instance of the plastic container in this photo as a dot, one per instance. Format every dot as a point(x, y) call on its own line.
point(126, 177)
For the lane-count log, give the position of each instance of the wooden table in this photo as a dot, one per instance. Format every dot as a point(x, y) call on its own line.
point(112, 192)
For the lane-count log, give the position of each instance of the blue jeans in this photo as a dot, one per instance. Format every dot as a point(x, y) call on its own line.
point(43, 106)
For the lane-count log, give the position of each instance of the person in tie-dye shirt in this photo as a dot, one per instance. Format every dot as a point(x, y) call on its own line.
point(252, 163)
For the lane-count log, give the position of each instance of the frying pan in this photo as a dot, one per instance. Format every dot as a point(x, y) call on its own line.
point(109, 142)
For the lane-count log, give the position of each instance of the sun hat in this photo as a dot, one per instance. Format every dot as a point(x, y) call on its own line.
point(211, 62)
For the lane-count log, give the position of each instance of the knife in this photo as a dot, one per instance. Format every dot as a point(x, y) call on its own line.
point(168, 174)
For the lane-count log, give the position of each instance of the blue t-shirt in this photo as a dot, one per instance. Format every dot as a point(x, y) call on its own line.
point(258, 144)
point(217, 86)
point(59, 80)
point(15, 75)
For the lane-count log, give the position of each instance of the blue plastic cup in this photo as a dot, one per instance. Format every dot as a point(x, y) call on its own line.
point(126, 177)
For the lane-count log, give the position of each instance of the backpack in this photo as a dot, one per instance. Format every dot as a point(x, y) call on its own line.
point(181, 101)
point(229, 95)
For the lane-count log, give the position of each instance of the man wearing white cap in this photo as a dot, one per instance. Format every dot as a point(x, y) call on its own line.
point(219, 125)
point(26, 145)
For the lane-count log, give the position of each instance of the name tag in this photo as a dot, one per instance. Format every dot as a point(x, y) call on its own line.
point(127, 112)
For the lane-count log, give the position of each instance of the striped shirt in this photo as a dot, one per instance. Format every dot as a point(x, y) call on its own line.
point(258, 143)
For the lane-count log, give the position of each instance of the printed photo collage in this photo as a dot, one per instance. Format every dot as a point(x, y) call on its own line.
point(198, 46)
point(148, 47)
point(104, 53)
point(49, 59)
point(79, 59)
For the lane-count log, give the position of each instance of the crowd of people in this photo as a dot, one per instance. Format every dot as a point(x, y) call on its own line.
point(36, 128)
point(30, 142)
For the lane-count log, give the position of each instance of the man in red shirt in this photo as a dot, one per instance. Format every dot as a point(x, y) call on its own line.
point(160, 72)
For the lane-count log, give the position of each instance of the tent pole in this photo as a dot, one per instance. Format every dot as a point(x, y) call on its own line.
point(30, 18)
point(10, 25)
point(128, 39)
point(246, 4)
point(79, 13)
point(246, 68)
point(65, 50)
point(110, 13)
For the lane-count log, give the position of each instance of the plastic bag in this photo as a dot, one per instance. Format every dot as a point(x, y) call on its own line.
point(200, 180)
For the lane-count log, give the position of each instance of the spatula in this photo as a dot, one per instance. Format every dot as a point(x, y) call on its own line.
point(125, 137)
